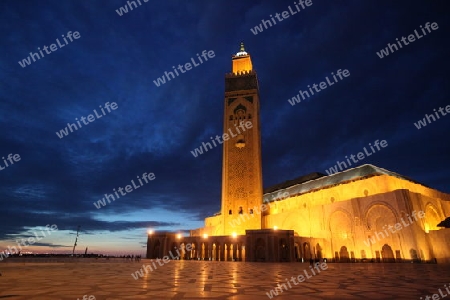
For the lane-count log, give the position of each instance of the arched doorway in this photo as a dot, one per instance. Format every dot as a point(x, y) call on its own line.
point(225, 252)
point(306, 252)
point(237, 255)
point(296, 252)
point(217, 251)
point(260, 251)
point(342, 233)
point(203, 255)
point(156, 248)
point(343, 253)
point(173, 251)
point(413, 253)
point(182, 251)
point(194, 252)
point(284, 251)
point(319, 251)
point(387, 253)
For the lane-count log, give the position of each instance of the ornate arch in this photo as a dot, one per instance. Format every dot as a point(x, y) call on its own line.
point(432, 217)
point(391, 219)
point(343, 211)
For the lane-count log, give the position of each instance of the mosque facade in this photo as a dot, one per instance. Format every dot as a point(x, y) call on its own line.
point(363, 214)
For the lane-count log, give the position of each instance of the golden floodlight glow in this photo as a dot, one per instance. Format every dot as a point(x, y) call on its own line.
point(234, 234)
point(205, 236)
point(150, 231)
point(275, 227)
point(241, 62)
point(179, 236)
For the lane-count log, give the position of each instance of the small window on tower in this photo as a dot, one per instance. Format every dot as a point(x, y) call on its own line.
point(230, 212)
point(241, 211)
point(231, 117)
point(240, 141)
point(249, 116)
point(251, 211)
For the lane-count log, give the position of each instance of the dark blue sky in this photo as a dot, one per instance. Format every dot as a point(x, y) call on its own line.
point(154, 128)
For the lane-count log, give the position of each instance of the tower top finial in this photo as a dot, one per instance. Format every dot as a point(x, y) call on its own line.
point(242, 50)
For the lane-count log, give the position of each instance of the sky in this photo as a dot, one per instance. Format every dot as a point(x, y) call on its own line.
point(114, 60)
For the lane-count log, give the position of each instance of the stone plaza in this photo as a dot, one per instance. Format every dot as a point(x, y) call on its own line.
point(188, 279)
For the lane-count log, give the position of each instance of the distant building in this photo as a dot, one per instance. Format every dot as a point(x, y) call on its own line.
point(364, 213)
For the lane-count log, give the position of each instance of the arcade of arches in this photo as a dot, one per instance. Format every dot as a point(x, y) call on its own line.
point(352, 226)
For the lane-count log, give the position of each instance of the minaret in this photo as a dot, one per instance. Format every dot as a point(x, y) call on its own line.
point(242, 168)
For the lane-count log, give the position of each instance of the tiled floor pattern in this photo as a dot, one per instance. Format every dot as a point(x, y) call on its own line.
point(217, 280)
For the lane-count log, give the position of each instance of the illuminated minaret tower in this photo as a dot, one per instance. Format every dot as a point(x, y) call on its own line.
point(241, 170)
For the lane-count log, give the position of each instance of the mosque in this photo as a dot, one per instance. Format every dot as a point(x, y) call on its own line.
point(365, 213)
